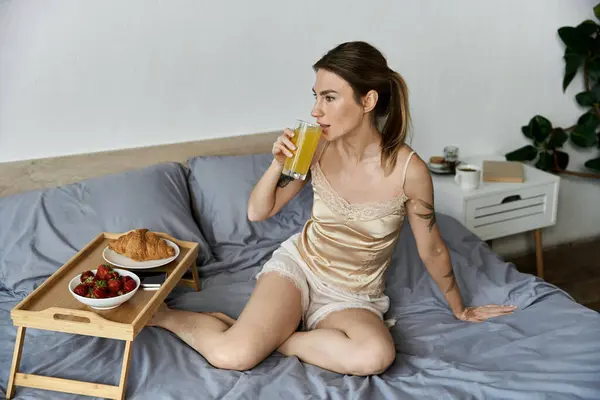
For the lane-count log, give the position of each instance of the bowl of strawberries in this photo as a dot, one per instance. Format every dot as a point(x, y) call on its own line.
point(104, 288)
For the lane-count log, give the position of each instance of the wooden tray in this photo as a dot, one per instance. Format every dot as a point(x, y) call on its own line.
point(52, 307)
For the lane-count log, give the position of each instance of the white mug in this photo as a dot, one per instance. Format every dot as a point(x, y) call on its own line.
point(468, 176)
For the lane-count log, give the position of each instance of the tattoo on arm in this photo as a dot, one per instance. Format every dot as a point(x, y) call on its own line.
point(430, 215)
point(284, 180)
point(452, 280)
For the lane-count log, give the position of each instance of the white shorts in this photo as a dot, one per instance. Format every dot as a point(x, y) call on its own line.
point(319, 299)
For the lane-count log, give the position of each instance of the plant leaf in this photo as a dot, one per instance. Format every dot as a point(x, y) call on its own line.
point(587, 27)
point(574, 39)
point(526, 131)
point(596, 91)
point(558, 137)
point(525, 153)
point(597, 11)
point(593, 66)
point(540, 128)
point(562, 159)
point(589, 119)
point(586, 99)
point(583, 136)
point(593, 164)
point(544, 161)
point(572, 63)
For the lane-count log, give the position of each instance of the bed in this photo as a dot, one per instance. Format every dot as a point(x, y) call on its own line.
point(548, 349)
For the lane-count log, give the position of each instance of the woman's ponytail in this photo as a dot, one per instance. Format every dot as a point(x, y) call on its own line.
point(396, 124)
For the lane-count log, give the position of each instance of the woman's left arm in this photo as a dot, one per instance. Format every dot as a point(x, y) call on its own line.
point(431, 247)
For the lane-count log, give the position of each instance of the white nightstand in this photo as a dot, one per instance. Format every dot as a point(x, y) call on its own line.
point(496, 209)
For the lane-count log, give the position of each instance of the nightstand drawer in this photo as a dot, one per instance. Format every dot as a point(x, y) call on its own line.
point(512, 211)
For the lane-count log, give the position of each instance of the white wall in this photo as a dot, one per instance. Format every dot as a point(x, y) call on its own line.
point(97, 75)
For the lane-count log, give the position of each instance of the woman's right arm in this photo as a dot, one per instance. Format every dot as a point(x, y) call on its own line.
point(273, 190)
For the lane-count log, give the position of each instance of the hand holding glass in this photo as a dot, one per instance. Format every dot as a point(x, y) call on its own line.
point(305, 139)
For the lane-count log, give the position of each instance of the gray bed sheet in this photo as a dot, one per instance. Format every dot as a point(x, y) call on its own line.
point(548, 349)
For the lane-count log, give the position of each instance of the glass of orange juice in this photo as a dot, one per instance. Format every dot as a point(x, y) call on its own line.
point(306, 138)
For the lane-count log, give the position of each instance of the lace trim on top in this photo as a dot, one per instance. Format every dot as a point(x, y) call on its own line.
point(362, 211)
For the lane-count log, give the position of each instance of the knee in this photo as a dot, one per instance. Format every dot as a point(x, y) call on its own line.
point(233, 357)
point(374, 357)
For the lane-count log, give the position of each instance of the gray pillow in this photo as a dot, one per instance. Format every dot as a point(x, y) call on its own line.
point(41, 230)
point(220, 187)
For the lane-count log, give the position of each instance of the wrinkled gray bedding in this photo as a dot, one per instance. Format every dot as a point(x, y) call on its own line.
point(548, 349)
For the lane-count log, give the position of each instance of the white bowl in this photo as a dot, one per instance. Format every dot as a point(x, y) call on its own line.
point(110, 302)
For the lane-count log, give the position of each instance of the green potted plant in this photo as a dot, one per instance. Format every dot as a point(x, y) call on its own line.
point(582, 53)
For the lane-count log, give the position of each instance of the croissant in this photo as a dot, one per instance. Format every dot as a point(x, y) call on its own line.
point(141, 245)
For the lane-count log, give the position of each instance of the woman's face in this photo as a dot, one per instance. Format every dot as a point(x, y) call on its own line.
point(335, 109)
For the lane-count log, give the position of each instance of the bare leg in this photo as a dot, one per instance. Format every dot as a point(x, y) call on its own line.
point(198, 330)
point(223, 318)
point(352, 341)
point(270, 317)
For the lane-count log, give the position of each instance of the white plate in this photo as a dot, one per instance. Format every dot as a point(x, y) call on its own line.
point(119, 260)
point(438, 167)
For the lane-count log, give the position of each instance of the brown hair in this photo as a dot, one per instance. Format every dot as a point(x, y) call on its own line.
point(365, 69)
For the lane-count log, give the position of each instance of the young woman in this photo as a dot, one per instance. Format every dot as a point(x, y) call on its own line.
point(330, 276)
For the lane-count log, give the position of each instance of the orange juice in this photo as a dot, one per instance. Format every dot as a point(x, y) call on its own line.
point(306, 138)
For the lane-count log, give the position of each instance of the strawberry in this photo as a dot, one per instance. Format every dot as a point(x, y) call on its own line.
point(100, 293)
point(86, 275)
point(101, 284)
point(90, 281)
point(100, 290)
point(114, 285)
point(129, 286)
point(81, 290)
point(103, 269)
point(112, 275)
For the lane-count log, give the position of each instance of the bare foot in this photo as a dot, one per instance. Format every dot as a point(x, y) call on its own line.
point(159, 317)
point(223, 318)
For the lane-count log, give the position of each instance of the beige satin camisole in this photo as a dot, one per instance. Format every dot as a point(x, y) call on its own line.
point(350, 245)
